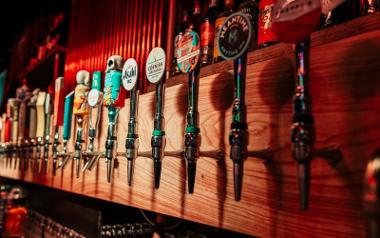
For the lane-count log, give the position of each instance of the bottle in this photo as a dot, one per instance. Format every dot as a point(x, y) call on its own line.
point(343, 11)
point(266, 36)
point(251, 8)
point(196, 19)
point(369, 6)
point(228, 10)
point(207, 37)
point(15, 222)
point(4, 190)
point(183, 25)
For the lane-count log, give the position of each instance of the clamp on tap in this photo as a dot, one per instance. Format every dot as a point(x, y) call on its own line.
point(80, 111)
point(95, 97)
point(114, 96)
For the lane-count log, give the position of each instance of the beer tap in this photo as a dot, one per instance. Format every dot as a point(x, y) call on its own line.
point(23, 95)
point(188, 62)
point(48, 114)
point(40, 108)
point(95, 98)
point(14, 105)
point(80, 111)
point(31, 142)
point(57, 118)
point(7, 134)
point(130, 82)
point(67, 119)
point(288, 24)
point(371, 197)
point(114, 96)
point(155, 68)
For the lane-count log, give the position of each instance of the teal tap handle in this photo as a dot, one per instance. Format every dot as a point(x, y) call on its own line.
point(67, 116)
point(96, 80)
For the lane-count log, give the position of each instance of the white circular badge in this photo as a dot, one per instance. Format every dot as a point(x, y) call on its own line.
point(94, 97)
point(155, 65)
point(130, 73)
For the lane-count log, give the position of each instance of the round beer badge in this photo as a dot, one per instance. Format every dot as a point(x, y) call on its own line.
point(155, 65)
point(94, 97)
point(295, 20)
point(130, 73)
point(234, 36)
point(188, 51)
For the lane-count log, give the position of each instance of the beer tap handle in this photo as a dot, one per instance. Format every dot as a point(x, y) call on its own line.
point(57, 118)
point(95, 97)
point(48, 112)
point(40, 108)
point(302, 131)
point(80, 111)
point(189, 62)
point(67, 119)
point(155, 69)
point(130, 83)
point(371, 196)
point(32, 125)
point(114, 97)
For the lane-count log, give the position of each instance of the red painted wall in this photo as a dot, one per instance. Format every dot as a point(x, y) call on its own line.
point(130, 28)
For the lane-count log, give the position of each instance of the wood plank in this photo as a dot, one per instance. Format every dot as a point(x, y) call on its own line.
point(346, 105)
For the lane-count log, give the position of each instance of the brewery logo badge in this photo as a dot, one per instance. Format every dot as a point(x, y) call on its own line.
point(188, 51)
point(129, 75)
point(295, 20)
point(94, 97)
point(234, 36)
point(155, 65)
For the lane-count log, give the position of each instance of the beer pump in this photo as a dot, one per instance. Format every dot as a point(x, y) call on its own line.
point(7, 135)
point(57, 118)
point(67, 119)
point(48, 114)
point(114, 96)
point(14, 107)
point(234, 39)
point(289, 26)
point(371, 197)
point(31, 141)
point(189, 62)
point(23, 95)
point(40, 131)
point(95, 97)
point(155, 68)
point(130, 83)
point(80, 111)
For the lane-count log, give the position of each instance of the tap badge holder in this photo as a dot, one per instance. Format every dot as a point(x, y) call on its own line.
point(188, 61)
point(234, 38)
point(155, 68)
point(129, 80)
point(114, 98)
point(80, 111)
point(95, 98)
point(293, 22)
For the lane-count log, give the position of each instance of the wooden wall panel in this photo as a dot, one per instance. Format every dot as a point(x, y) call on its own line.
point(346, 104)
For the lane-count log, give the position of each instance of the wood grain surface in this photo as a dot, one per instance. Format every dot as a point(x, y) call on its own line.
point(345, 93)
